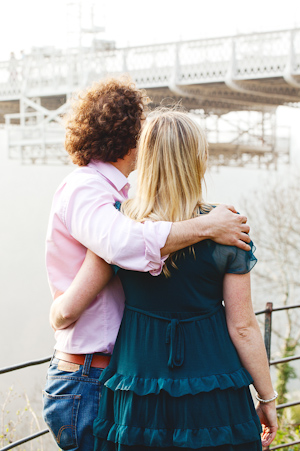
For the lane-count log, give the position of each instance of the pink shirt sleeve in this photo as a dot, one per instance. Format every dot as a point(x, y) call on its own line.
point(88, 212)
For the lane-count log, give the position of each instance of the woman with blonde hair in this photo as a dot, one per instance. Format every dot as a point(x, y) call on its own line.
point(189, 344)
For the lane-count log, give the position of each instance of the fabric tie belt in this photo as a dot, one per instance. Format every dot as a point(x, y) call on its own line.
point(98, 361)
point(174, 338)
point(174, 334)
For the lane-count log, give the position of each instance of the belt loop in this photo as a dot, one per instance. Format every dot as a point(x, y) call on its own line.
point(53, 356)
point(87, 364)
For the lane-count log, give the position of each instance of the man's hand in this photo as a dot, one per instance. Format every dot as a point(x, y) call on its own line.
point(222, 225)
point(225, 226)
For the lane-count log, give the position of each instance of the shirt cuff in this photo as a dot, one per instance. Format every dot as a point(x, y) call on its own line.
point(155, 237)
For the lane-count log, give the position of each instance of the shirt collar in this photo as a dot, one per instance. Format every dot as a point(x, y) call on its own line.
point(110, 172)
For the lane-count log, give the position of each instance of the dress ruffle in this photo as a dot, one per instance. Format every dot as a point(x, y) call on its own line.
point(180, 438)
point(175, 380)
point(176, 387)
point(104, 445)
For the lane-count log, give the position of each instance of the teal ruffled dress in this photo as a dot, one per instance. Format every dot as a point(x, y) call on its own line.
point(175, 381)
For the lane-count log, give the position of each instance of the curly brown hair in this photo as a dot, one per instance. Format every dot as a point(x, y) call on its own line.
point(104, 121)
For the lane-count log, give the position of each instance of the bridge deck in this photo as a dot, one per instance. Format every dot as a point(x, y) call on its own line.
point(255, 69)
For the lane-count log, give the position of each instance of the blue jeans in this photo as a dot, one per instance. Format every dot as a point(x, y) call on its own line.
point(71, 401)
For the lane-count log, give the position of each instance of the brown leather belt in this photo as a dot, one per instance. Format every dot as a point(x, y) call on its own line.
point(98, 361)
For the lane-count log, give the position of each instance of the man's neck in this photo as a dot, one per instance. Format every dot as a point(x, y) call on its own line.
point(124, 165)
point(121, 168)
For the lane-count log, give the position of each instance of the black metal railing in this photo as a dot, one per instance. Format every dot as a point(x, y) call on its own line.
point(268, 311)
point(8, 369)
point(15, 368)
point(25, 439)
point(267, 337)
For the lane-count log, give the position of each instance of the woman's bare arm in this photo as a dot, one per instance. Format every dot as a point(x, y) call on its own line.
point(92, 277)
point(247, 339)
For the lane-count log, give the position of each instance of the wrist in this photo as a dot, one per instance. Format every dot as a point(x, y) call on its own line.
point(267, 398)
point(267, 409)
point(204, 228)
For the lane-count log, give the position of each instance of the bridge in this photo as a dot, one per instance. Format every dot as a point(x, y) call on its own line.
point(233, 84)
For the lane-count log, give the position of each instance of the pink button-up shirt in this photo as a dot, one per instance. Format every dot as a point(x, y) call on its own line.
point(83, 216)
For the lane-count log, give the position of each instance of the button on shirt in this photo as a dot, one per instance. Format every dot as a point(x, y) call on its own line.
point(83, 216)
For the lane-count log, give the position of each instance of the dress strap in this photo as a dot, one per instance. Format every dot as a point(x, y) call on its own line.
point(174, 334)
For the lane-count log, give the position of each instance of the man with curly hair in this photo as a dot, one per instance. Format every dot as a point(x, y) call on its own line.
point(102, 131)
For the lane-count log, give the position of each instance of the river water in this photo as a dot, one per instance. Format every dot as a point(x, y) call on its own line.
point(25, 194)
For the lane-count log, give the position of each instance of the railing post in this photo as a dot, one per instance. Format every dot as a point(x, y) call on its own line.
point(268, 328)
point(268, 331)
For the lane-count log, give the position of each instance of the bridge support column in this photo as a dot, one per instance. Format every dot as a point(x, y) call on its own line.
point(288, 73)
point(40, 135)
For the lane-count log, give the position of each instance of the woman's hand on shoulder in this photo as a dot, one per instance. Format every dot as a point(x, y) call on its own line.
point(268, 418)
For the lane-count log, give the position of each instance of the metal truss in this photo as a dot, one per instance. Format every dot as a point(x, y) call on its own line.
point(247, 138)
point(38, 135)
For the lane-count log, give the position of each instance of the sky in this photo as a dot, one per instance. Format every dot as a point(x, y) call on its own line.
point(36, 23)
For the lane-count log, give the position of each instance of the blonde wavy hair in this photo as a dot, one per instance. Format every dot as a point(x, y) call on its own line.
point(172, 160)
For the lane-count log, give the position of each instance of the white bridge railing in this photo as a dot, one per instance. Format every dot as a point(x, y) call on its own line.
point(253, 56)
